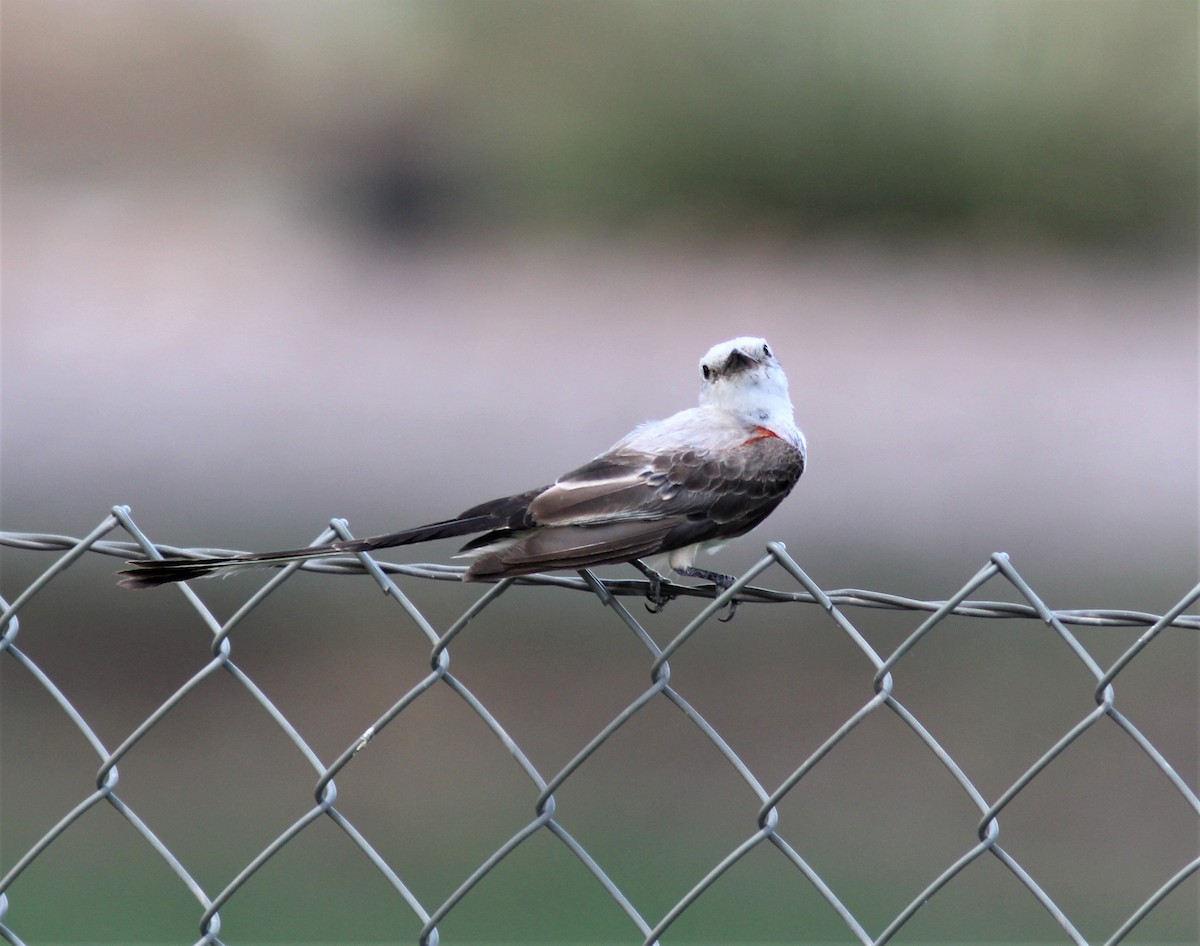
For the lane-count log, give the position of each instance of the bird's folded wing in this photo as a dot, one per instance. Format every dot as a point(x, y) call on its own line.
point(624, 484)
point(625, 505)
point(572, 547)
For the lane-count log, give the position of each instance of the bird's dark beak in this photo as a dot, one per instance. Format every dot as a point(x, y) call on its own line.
point(737, 361)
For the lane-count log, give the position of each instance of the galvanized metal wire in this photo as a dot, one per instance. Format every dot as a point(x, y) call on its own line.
point(767, 831)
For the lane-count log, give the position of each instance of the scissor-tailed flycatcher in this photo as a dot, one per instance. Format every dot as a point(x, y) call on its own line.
point(694, 480)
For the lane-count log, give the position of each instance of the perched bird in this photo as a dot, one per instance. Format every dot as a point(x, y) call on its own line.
point(703, 476)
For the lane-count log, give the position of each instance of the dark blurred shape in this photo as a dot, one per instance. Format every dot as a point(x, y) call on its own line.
point(402, 198)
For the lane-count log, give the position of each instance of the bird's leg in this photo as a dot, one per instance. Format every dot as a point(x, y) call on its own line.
point(657, 597)
point(723, 582)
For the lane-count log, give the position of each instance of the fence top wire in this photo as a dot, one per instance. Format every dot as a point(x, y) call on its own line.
point(632, 587)
point(767, 831)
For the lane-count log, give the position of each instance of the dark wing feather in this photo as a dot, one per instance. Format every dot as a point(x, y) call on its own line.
point(683, 483)
point(742, 505)
point(628, 505)
point(572, 547)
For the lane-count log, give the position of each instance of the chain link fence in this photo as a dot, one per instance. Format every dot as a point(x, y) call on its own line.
point(650, 908)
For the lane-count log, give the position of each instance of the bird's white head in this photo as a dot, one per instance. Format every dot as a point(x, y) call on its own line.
point(743, 377)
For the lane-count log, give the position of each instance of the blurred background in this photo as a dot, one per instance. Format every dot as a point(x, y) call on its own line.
point(269, 262)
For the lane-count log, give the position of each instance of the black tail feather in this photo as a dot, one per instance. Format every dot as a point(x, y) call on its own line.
point(155, 573)
point(509, 512)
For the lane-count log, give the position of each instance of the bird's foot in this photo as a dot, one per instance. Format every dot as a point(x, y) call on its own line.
point(723, 583)
point(658, 595)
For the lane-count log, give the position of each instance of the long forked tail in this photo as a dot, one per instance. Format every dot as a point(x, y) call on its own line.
point(509, 512)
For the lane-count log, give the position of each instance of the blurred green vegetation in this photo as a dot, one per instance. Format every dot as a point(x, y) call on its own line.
point(1063, 121)
point(1066, 121)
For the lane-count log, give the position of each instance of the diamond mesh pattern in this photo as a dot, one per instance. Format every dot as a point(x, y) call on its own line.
point(770, 830)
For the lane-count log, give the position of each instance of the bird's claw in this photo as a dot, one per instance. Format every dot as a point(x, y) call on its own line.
point(661, 591)
point(722, 583)
point(657, 594)
point(657, 597)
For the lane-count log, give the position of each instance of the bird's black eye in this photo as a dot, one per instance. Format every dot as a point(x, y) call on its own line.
point(707, 372)
point(767, 350)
